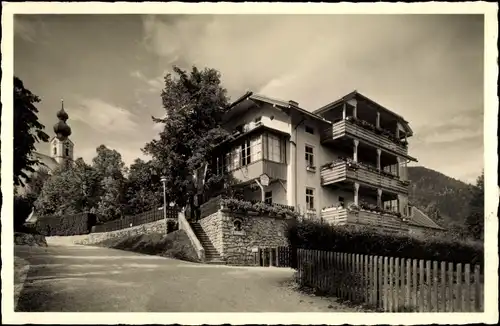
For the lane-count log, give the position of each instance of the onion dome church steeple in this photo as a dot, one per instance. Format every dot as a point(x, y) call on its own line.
point(61, 145)
point(62, 130)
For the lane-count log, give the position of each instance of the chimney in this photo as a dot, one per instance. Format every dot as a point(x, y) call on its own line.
point(293, 103)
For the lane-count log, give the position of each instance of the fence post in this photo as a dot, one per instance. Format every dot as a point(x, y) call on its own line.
point(442, 285)
point(428, 286)
point(384, 285)
point(374, 279)
point(467, 296)
point(380, 282)
point(434, 301)
point(396, 284)
point(451, 285)
point(421, 304)
point(459, 288)
point(367, 278)
point(408, 283)
point(414, 285)
point(477, 288)
point(390, 287)
point(276, 253)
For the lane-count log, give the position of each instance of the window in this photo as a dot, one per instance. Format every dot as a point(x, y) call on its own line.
point(237, 225)
point(268, 197)
point(274, 148)
point(341, 202)
point(67, 151)
point(256, 148)
point(221, 165)
point(55, 151)
point(245, 153)
point(391, 205)
point(309, 156)
point(310, 199)
point(310, 130)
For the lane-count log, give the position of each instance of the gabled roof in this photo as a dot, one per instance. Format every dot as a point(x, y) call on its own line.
point(357, 95)
point(419, 218)
point(275, 103)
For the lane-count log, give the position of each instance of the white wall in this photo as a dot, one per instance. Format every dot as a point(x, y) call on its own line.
point(280, 121)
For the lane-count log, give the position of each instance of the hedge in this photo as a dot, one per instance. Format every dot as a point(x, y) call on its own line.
point(307, 234)
point(66, 225)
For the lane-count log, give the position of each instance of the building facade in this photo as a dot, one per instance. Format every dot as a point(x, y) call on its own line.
point(345, 163)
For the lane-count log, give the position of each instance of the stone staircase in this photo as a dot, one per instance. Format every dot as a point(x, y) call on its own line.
point(211, 254)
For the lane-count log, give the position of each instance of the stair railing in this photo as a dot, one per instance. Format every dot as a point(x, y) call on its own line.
point(184, 225)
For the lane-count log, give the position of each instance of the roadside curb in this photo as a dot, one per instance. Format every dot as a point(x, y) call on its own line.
point(21, 268)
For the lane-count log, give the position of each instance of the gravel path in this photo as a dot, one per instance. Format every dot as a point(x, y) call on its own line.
point(91, 279)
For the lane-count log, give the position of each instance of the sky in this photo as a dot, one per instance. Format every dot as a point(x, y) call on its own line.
point(109, 69)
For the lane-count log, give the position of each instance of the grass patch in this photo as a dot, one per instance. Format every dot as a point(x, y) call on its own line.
point(173, 245)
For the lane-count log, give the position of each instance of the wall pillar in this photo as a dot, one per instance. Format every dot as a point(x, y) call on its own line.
point(291, 191)
point(355, 110)
point(397, 130)
point(378, 120)
point(379, 153)
point(401, 170)
point(344, 109)
point(355, 152)
point(379, 197)
point(356, 191)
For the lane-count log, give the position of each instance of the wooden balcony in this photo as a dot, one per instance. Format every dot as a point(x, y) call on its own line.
point(346, 128)
point(383, 222)
point(254, 170)
point(344, 171)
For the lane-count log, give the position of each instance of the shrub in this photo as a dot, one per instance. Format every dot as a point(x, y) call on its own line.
point(23, 206)
point(315, 235)
point(65, 225)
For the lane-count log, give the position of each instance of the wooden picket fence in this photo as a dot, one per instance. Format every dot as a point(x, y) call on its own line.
point(273, 257)
point(394, 284)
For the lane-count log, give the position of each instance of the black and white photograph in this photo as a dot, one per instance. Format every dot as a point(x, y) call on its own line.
point(228, 158)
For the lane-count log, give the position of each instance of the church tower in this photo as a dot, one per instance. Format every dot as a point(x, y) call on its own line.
point(61, 147)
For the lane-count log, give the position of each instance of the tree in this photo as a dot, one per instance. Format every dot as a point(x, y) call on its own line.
point(109, 168)
point(72, 188)
point(144, 189)
point(475, 218)
point(194, 104)
point(27, 131)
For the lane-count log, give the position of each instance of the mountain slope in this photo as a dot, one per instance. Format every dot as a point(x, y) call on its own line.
point(430, 189)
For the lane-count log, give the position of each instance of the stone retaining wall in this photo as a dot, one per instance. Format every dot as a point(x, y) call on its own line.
point(94, 238)
point(153, 227)
point(235, 246)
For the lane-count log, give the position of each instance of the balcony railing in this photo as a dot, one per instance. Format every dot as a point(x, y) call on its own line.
point(353, 171)
point(344, 216)
point(255, 169)
point(367, 133)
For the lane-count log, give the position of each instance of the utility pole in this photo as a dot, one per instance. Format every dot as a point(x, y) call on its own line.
point(164, 181)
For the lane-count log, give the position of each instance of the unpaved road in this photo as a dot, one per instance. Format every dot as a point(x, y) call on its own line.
point(91, 279)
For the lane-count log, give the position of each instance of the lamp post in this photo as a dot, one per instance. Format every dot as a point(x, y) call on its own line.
point(164, 181)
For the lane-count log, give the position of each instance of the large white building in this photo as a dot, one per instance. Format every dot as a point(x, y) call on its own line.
point(352, 152)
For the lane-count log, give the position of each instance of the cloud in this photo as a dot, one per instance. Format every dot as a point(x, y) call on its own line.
point(155, 84)
point(25, 29)
point(104, 117)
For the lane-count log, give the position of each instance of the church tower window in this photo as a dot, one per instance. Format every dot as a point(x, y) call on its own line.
point(67, 151)
point(55, 151)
